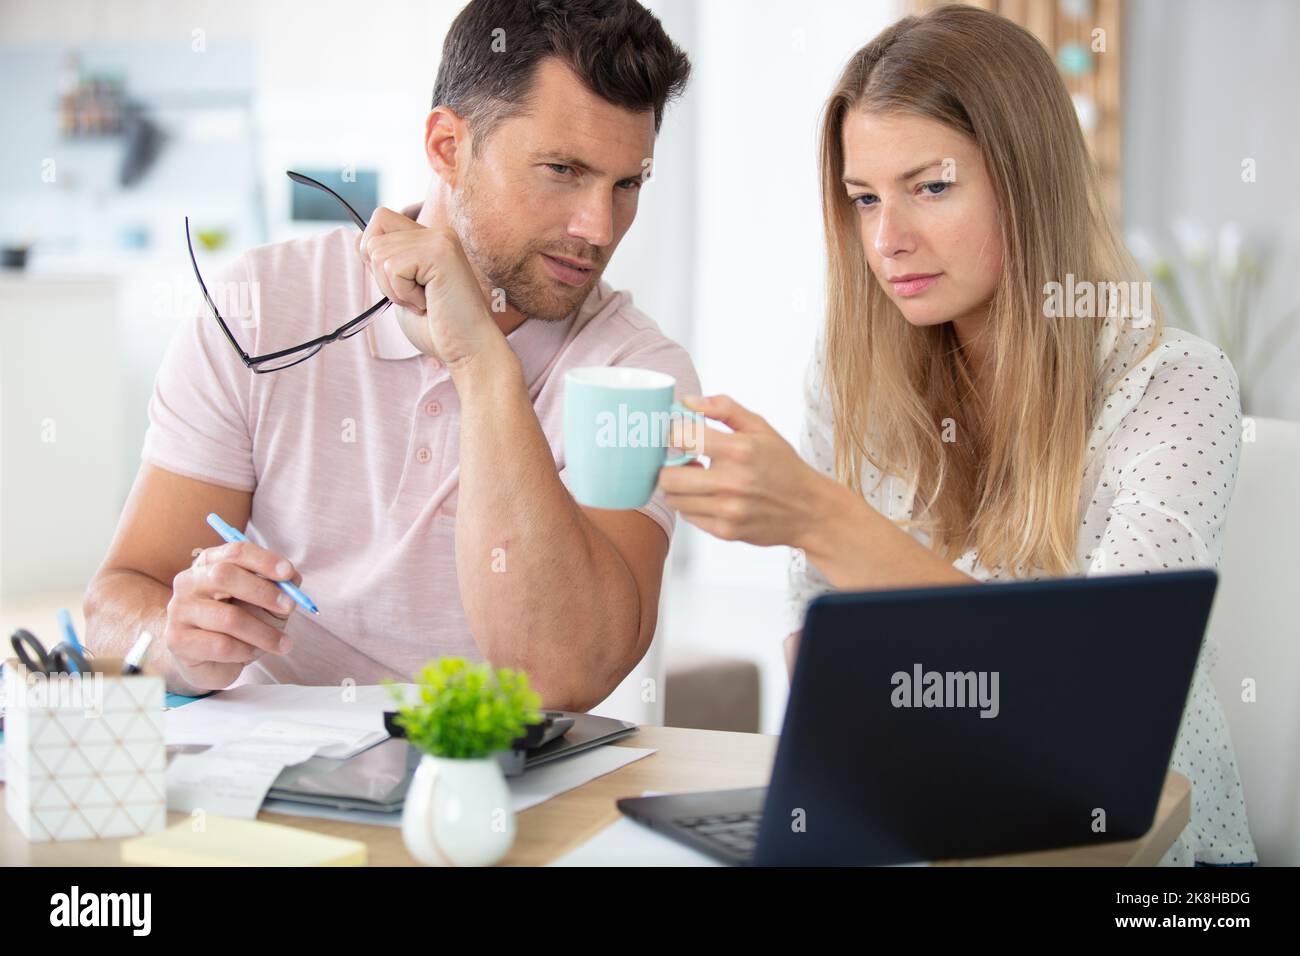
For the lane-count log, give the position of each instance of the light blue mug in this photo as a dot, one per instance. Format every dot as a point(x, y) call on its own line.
point(617, 425)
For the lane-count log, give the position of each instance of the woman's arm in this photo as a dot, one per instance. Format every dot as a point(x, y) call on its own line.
point(858, 548)
point(757, 489)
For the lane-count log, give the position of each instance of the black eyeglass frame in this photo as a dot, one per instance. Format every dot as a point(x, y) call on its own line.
point(259, 363)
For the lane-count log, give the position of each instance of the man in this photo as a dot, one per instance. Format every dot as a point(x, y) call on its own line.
point(412, 478)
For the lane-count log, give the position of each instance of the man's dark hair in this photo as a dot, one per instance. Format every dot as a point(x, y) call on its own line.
point(616, 47)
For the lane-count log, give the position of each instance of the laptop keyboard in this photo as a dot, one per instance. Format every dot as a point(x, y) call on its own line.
point(735, 833)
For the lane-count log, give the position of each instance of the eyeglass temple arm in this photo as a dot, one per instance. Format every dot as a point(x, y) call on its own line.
point(225, 329)
point(308, 181)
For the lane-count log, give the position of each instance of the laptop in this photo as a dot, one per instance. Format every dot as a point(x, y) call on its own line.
point(966, 721)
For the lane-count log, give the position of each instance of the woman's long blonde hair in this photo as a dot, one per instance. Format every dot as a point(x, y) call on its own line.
point(1009, 484)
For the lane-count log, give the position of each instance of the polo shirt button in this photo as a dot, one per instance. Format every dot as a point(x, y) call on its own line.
point(433, 408)
point(435, 363)
point(423, 456)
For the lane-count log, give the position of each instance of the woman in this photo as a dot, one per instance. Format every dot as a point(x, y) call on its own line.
point(963, 423)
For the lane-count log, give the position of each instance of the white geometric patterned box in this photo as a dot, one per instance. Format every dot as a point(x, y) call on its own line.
point(84, 754)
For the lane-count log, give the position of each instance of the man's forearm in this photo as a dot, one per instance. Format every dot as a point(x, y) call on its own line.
point(543, 589)
point(119, 605)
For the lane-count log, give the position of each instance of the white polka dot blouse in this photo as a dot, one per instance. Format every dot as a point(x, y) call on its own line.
point(1160, 470)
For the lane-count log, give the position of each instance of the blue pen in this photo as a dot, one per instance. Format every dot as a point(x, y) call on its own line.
point(230, 535)
point(69, 632)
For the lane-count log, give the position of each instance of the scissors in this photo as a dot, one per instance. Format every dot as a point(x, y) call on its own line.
point(64, 659)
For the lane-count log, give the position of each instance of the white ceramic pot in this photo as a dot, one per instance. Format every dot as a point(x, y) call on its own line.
point(458, 812)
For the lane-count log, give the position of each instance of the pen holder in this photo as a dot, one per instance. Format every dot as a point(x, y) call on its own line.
point(84, 753)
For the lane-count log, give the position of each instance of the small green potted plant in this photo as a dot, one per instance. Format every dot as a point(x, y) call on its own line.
point(457, 810)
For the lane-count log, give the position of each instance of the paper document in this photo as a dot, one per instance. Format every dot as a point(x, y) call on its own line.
point(231, 779)
point(337, 743)
point(220, 786)
point(237, 713)
point(281, 753)
point(627, 843)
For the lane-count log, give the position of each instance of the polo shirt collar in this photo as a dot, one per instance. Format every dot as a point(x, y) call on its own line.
point(534, 342)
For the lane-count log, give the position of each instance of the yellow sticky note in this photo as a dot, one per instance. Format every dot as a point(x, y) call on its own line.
point(224, 841)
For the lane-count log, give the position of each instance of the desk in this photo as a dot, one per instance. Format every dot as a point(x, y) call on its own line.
point(685, 760)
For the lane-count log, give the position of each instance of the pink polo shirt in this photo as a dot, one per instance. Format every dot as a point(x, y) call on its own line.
point(352, 456)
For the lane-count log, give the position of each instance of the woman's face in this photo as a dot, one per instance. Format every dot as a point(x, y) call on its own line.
point(927, 216)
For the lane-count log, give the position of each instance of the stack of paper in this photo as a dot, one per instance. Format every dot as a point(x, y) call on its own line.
point(232, 778)
point(526, 790)
point(255, 731)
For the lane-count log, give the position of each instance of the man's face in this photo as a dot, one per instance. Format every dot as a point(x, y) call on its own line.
point(546, 201)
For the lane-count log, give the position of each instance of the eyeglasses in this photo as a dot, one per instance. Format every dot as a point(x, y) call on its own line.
point(277, 361)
